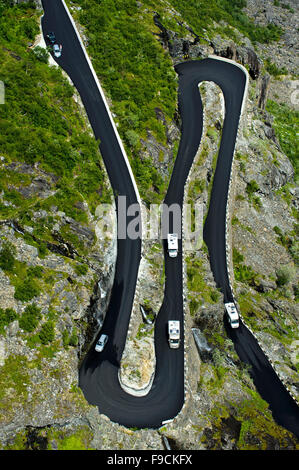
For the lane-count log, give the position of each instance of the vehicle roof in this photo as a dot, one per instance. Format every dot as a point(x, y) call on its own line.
point(103, 336)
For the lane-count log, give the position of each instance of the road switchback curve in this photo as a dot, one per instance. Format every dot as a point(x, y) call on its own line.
point(98, 375)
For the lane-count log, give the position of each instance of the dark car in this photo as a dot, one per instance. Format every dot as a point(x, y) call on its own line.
point(51, 37)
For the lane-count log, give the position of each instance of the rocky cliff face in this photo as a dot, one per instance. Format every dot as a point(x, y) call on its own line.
point(70, 272)
point(55, 309)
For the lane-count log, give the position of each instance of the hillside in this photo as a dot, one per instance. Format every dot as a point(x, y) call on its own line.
point(56, 271)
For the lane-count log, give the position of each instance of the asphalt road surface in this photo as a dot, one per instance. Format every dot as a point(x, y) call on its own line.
point(99, 372)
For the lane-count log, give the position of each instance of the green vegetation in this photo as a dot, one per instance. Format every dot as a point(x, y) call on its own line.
point(122, 45)
point(285, 6)
point(236, 221)
point(40, 123)
point(47, 332)
point(201, 15)
point(242, 272)
point(285, 274)
point(196, 188)
point(274, 70)
point(81, 269)
point(251, 188)
point(7, 256)
point(78, 440)
point(199, 291)
point(26, 290)
point(14, 378)
point(50, 438)
point(42, 54)
point(247, 421)
point(286, 121)
point(125, 54)
point(289, 241)
point(257, 426)
point(278, 324)
point(7, 316)
point(144, 331)
point(69, 339)
point(30, 318)
point(44, 133)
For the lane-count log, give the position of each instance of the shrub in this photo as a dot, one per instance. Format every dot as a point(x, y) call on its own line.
point(32, 129)
point(41, 53)
point(30, 318)
point(47, 332)
point(246, 274)
point(135, 55)
point(73, 339)
point(237, 256)
point(6, 317)
point(26, 290)
point(257, 203)
point(215, 295)
point(274, 70)
point(284, 275)
point(35, 271)
point(7, 256)
point(243, 273)
point(132, 138)
point(294, 252)
point(251, 188)
point(81, 269)
point(193, 305)
point(69, 339)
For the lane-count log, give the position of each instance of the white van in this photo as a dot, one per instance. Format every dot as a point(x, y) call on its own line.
point(101, 343)
point(232, 314)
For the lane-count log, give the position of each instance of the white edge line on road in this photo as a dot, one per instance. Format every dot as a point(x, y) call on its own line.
point(167, 421)
point(230, 61)
point(241, 113)
point(125, 158)
point(105, 102)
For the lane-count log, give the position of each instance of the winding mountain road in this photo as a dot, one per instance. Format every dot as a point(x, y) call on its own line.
point(99, 372)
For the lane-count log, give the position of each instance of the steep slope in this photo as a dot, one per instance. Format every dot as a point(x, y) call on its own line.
point(48, 223)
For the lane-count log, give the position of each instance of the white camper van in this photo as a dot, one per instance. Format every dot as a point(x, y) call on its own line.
point(172, 240)
point(232, 314)
point(174, 334)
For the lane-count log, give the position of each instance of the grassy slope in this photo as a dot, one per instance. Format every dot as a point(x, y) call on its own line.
point(40, 123)
point(43, 135)
point(137, 75)
point(286, 121)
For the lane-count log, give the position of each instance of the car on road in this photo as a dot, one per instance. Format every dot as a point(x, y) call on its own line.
point(174, 334)
point(172, 242)
point(232, 314)
point(101, 343)
point(51, 37)
point(57, 50)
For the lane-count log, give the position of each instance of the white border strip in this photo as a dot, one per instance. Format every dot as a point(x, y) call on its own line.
point(227, 223)
point(215, 57)
point(143, 219)
point(105, 102)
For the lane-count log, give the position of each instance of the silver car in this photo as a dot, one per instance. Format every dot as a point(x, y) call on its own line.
point(101, 343)
point(57, 50)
